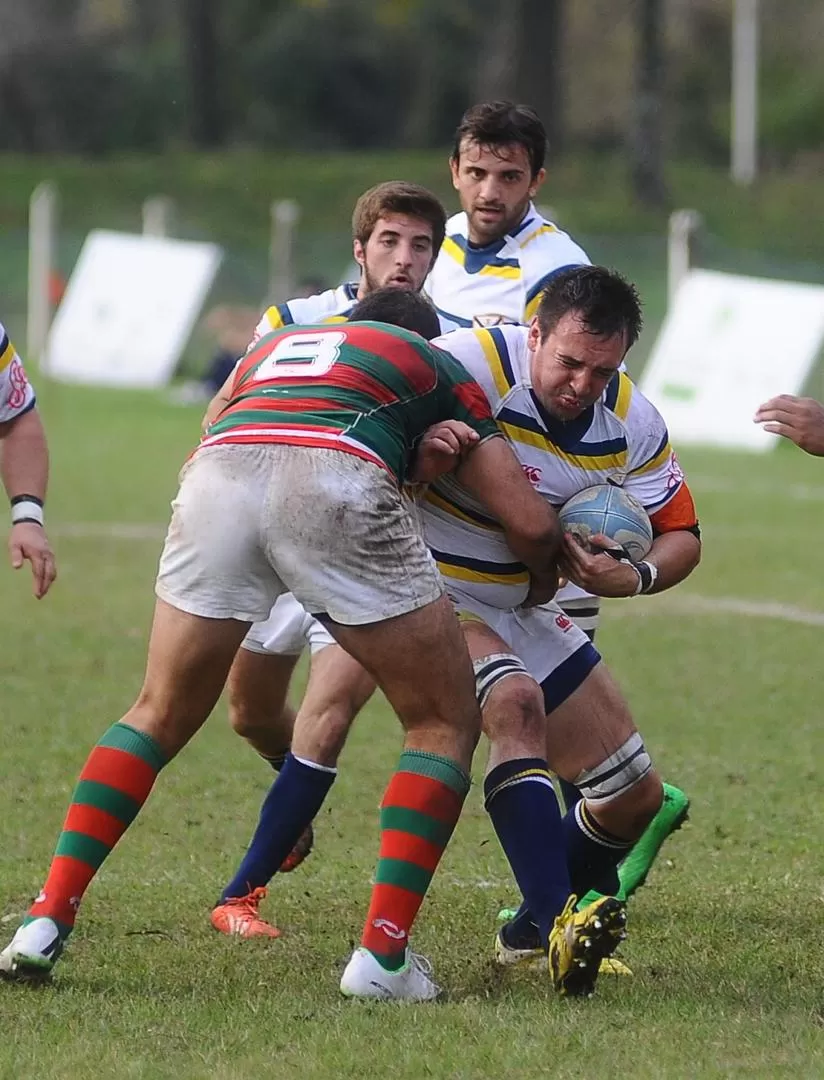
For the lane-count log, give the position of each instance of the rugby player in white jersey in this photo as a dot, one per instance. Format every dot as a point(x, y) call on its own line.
point(397, 231)
point(574, 420)
point(24, 467)
point(498, 254)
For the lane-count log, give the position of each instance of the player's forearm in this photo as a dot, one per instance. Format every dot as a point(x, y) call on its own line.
point(218, 402)
point(24, 466)
point(675, 555)
point(531, 526)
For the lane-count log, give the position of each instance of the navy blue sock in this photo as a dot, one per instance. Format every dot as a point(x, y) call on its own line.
point(520, 799)
point(570, 793)
point(593, 854)
point(292, 803)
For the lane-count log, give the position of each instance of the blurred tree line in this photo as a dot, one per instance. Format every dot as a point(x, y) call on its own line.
point(650, 77)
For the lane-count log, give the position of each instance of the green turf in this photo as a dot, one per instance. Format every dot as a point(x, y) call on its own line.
point(725, 939)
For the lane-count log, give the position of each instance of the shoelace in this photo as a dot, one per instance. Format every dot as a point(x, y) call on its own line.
point(420, 962)
point(250, 902)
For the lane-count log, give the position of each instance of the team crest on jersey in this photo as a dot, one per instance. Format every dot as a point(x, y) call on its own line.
point(489, 320)
point(675, 474)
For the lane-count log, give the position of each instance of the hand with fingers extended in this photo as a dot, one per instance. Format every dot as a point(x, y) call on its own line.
point(28, 541)
point(603, 570)
point(799, 419)
point(441, 449)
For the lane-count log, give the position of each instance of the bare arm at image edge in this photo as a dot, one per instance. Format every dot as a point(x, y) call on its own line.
point(25, 471)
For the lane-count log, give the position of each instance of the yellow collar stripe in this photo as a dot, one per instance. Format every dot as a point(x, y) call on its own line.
point(494, 361)
point(624, 396)
point(454, 250)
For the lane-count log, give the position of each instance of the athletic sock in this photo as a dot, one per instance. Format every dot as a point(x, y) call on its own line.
point(291, 804)
point(570, 793)
point(419, 812)
point(521, 801)
point(593, 854)
point(114, 784)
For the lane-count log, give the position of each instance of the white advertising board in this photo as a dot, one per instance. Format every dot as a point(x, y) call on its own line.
point(728, 344)
point(129, 309)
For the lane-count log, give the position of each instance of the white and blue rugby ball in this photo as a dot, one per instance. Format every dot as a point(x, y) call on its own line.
point(612, 511)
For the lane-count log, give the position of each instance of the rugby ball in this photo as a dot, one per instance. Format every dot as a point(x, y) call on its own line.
point(612, 511)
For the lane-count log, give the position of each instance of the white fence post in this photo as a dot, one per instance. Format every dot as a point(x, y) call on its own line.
point(157, 216)
point(682, 225)
point(284, 216)
point(43, 206)
point(744, 79)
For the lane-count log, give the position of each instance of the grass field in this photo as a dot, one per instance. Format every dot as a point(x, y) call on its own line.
point(724, 676)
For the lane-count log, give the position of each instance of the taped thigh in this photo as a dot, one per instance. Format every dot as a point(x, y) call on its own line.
point(616, 775)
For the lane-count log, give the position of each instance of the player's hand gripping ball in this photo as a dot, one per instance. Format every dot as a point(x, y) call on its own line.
point(611, 511)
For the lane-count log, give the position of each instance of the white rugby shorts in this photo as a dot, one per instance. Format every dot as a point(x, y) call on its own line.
point(253, 521)
point(555, 652)
point(287, 631)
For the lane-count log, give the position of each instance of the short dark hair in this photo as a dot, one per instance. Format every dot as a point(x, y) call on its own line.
point(399, 307)
point(607, 303)
point(398, 197)
point(501, 123)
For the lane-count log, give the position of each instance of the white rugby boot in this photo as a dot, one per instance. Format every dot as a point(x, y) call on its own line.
point(364, 977)
point(33, 951)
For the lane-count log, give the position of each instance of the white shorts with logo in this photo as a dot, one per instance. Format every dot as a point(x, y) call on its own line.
point(253, 521)
point(555, 652)
point(287, 631)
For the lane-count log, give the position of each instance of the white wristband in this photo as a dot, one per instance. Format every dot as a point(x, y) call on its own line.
point(26, 508)
point(647, 576)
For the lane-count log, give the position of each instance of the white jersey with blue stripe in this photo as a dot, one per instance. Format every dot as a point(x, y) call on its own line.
point(622, 439)
point(501, 282)
point(331, 306)
point(16, 393)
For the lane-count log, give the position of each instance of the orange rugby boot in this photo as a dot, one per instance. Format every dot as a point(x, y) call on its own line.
point(240, 916)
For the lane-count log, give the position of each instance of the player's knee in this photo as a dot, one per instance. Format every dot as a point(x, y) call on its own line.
point(162, 719)
point(514, 709)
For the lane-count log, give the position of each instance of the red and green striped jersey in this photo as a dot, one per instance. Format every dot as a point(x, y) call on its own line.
point(366, 388)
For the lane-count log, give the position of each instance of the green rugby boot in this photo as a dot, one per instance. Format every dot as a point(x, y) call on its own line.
point(632, 873)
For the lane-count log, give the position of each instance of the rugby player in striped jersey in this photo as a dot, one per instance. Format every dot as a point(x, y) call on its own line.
point(298, 486)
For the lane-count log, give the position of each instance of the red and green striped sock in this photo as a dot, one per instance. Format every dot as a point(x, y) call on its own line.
point(114, 784)
point(418, 815)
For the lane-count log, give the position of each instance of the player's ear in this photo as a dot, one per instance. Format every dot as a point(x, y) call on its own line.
point(533, 339)
point(537, 182)
point(454, 165)
point(359, 253)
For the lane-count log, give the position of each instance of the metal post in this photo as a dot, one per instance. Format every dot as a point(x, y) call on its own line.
point(744, 91)
point(284, 214)
point(682, 225)
point(42, 242)
point(157, 215)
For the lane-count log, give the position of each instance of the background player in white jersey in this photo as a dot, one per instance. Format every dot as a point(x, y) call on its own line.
point(397, 231)
point(24, 467)
point(497, 256)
